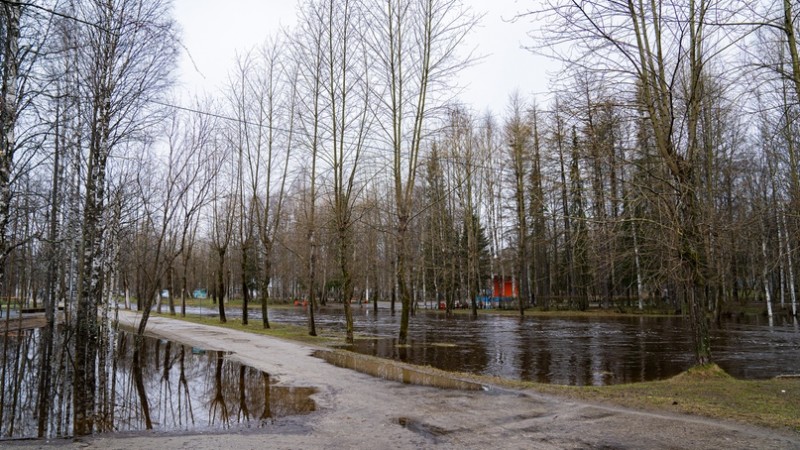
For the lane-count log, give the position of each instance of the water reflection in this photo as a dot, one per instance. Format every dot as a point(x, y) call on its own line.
point(175, 388)
point(575, 350)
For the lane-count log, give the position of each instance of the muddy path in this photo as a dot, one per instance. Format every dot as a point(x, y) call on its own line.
point(355, 410)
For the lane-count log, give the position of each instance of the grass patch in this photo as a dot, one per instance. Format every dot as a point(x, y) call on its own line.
point(235, 303)
point(705, 391)
point(278, 330)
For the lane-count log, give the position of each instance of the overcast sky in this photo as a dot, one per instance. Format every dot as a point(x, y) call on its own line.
point(214, 31)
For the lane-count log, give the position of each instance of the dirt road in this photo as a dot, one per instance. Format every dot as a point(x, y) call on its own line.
point(359, 411)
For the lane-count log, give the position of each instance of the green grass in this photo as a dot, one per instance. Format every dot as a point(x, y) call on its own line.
point(235, 303)
point(279, 330)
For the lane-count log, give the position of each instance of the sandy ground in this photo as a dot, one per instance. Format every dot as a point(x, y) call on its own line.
point(360, 411)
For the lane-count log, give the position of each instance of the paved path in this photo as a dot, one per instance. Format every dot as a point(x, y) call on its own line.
point(360, 411)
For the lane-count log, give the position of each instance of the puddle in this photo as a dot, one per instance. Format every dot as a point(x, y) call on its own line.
point(391, 370)
point(186, 389)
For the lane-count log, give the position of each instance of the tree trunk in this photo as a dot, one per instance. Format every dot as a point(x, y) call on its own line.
point(790, 266)
point(765, 278)
point(638, 267)
point(221, 284)
point(267, 277)
point(91, 268)
point(171, 283)
point(791, 39)
point(184, 288)
point(690, 259)
point(245, 288)
point(48, 332)
point(311, 277)
point(347, 283)
point(569, 288)
point(8, 119)
point(400, 277)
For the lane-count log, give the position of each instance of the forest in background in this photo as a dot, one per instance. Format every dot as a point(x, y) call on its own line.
point(338, 163)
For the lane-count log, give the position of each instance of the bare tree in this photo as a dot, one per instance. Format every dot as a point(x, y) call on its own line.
point(223, 204)
point(664, 52)
point(347, 90)
point(247, 145)
point(264, 97)
point(11, 15)
point(310, 52)
point(197, 135)
point(416, 47)
point(171, 195)
point(126, 59)
point(518, 135)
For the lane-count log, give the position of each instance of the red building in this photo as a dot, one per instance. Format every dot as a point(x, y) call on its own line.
point(505, 293)
point(504, 287)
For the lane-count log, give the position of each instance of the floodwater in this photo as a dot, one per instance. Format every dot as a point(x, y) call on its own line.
point(186, 389)
point(572, 351)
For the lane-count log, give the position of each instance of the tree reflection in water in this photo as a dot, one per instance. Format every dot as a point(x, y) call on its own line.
point(244, 414)
point(267, 414)
point(158, 385)
point(218, 399)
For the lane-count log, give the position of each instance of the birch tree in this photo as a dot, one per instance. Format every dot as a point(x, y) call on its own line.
point(11, 16)
point(125, 60)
